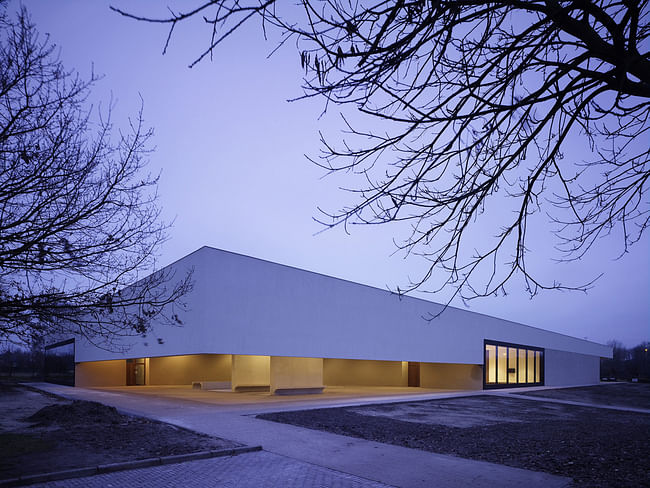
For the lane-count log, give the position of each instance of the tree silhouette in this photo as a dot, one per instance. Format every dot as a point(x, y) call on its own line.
point(78, 215)
point(478, 105)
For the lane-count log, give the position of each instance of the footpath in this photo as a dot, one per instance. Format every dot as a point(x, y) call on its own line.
point(291, 456)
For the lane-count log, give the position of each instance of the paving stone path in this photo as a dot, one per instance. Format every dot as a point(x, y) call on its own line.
point(292, 456)
point(256, 469)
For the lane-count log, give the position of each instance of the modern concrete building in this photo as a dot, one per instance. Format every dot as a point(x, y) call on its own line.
point(253, 324)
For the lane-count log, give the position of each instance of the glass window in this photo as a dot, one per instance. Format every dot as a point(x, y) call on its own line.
point(502, 364)
point(491, 363)
point(58, 364)
point(522, 365)
point(512, 365)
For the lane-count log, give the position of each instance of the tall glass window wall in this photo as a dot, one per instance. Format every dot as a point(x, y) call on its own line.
point(509, 365)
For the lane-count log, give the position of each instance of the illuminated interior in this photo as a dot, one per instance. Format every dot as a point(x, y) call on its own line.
point(512, 365)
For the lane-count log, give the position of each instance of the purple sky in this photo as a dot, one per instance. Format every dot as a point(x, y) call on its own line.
point(234, 175)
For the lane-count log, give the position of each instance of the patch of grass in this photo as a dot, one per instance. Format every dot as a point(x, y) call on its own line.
point(14, 444)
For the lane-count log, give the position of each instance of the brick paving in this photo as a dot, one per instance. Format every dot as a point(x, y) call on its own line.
point(256, 469)
point(293, 456)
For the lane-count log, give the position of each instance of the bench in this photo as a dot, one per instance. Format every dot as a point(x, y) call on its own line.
point(211, 385)
point(248, 388)
point(309, 390)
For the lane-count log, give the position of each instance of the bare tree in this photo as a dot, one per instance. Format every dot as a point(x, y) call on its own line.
point(480, 103)
point(79, 223)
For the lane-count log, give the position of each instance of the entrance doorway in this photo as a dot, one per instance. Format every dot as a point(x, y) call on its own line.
point(414, 374)
point(135, 372)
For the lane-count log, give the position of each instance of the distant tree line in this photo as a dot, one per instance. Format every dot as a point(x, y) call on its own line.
point(22, 364)
point(627, 363)
point(38, 362)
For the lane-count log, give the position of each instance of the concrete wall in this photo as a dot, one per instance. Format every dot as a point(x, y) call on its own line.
point(451, 376)
point(183, 370)
point(100, 373)
point(247, 306)
point(296, 373)
point(343, 372)
point(568, 369)
point(250, 371)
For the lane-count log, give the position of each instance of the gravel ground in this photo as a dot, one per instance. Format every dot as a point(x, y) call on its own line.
point(42, 433)
point(595, 447)
point(635, 395)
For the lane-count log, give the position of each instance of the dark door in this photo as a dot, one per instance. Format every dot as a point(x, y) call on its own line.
point(139, 373)
point(130, 373)
point(414, 374)
point(135, 372)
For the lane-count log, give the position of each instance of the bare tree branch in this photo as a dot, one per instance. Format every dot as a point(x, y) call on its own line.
point(480, 103)
point(79, 223)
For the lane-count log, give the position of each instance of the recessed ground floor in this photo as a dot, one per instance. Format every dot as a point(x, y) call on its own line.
point(505, 365)
point(274, 374)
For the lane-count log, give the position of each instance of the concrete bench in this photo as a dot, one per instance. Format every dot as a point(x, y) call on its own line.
point(247, 388)
point(211, 385)
point(307, 390)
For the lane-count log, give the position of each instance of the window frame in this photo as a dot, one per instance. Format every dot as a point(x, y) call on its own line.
point(516, 347)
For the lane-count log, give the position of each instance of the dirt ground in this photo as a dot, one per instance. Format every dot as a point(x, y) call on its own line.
point(595, 447)
point(41, 433)
point(635, 395)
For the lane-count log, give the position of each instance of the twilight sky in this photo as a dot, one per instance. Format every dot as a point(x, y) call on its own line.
point(234, 175)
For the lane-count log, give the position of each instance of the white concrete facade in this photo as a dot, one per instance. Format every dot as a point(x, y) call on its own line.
point(585, 369)
point(243, 306)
